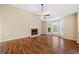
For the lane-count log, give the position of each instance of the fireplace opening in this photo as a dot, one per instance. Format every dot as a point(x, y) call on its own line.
point(34, 31)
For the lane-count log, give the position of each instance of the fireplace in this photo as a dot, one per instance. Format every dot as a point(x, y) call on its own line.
point(34, 31)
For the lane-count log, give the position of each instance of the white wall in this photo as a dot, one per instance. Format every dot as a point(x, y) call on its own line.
point(16, 23)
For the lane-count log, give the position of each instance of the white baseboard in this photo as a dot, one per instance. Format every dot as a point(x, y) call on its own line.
point(34, 35)
point(13, 38)
point(68, 38)
point(18, 38)
point(78, 42)
point(64, 37)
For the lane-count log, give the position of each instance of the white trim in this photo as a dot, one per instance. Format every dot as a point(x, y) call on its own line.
point(78, 37)
point(65, 37)
point(68, 38)
point(13, 38)
point(78, 42)
point(34, 35)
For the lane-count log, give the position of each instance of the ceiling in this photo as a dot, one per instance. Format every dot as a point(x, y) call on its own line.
point(55, 10)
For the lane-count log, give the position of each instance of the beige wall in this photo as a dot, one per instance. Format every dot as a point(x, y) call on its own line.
point(78, 27)
point(70, 27)
point(0, 26)
point(78, 22)
point(44, 27)
point(16, 23)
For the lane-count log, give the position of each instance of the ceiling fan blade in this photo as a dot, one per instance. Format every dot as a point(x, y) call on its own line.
point(37, 15)
point(47, 15)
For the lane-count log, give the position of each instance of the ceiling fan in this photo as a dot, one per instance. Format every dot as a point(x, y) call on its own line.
point(43, 14)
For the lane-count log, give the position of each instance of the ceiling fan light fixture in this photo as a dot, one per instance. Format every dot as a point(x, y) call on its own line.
point(43, 14)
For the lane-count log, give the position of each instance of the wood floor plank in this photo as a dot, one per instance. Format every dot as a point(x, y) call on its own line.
point(43, 44)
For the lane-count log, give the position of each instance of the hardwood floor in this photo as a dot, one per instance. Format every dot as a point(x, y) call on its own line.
point(43, 44)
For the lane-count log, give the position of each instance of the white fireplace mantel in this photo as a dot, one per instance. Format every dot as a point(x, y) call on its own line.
point(31, 27)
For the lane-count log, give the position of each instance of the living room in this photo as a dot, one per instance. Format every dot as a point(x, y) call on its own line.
point(24, 25)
